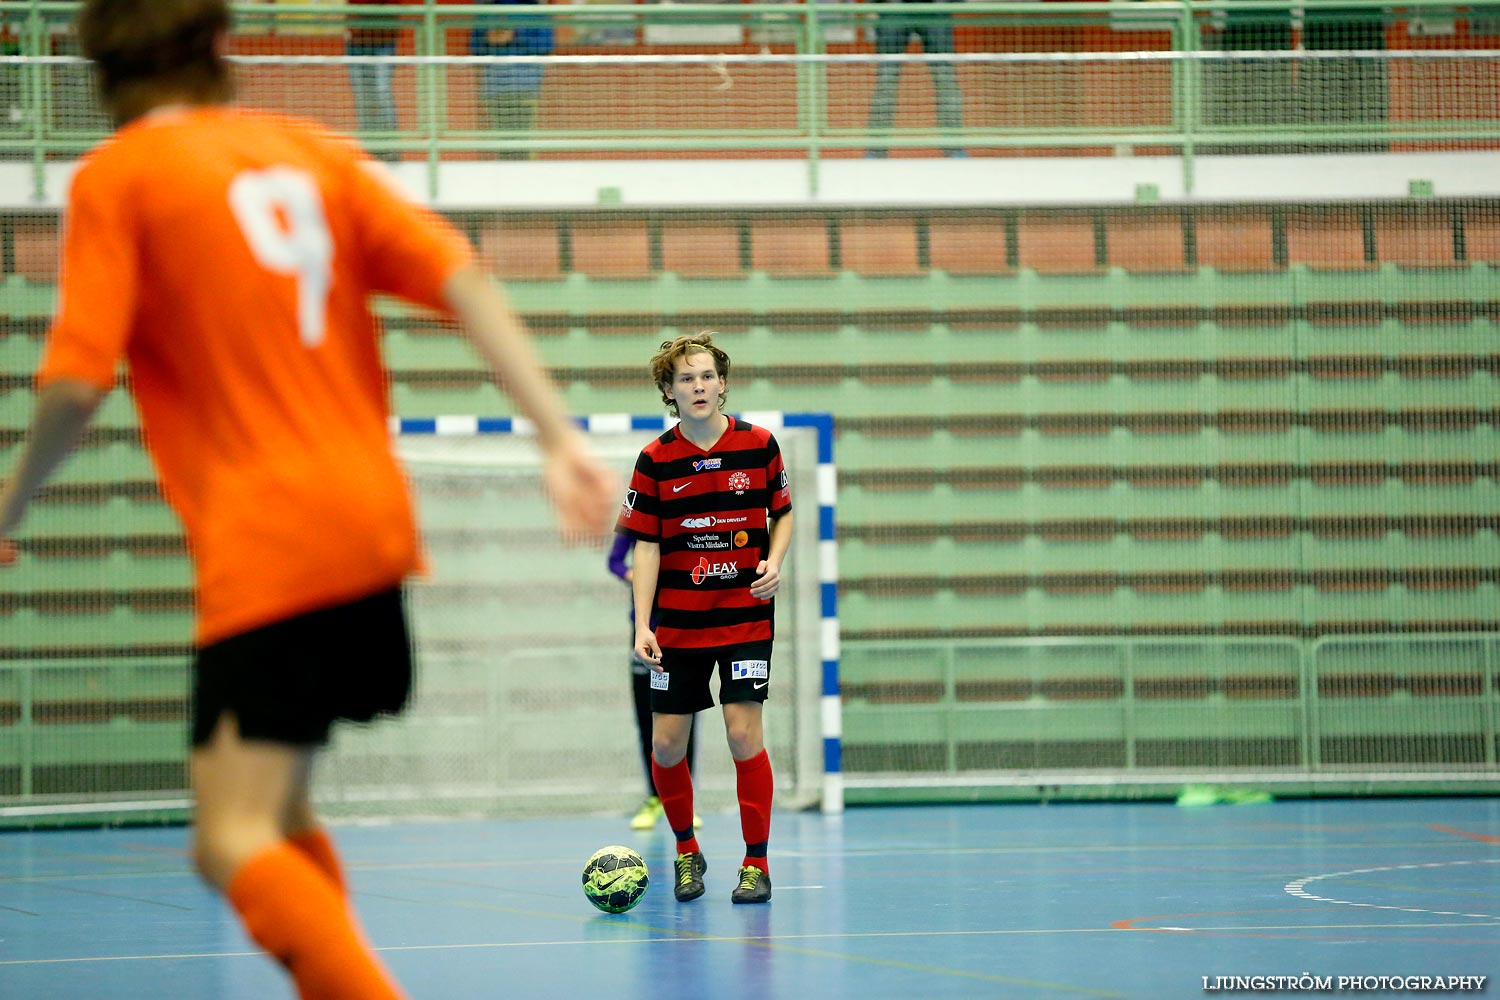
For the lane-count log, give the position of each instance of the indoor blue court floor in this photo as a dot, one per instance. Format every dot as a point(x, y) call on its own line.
point(1048, 901)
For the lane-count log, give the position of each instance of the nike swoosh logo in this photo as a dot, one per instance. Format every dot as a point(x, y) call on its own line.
point(679, 489)
point(760, 685)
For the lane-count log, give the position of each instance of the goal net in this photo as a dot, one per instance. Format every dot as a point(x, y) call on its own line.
point(523, 696)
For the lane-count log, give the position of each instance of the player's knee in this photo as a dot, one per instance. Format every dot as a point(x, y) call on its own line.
point(211, 858)
point(219, 849)
point(745, 739)
point(668, 750)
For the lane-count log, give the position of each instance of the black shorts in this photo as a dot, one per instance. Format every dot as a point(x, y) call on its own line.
point(682, 686)
point(289, 681)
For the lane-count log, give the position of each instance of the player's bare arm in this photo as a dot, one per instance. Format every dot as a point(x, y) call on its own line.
point(582, 489)
point(645, 568)
point(63, 410)
point(768, 573)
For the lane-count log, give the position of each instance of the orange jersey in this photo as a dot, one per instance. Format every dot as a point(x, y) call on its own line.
point(229, 257)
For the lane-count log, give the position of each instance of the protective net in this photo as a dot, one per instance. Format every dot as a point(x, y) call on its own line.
point(1166, 418)
point(523, 700)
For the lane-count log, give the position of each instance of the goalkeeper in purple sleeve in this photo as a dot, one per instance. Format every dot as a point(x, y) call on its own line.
point(640, 690)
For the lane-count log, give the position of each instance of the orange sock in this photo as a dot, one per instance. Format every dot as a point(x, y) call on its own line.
point(293, 910)
point(318, 846)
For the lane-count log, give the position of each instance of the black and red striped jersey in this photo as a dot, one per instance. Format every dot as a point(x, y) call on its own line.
point(710, 511)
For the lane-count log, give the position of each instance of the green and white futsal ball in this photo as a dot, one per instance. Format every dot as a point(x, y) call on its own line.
point(615, 879)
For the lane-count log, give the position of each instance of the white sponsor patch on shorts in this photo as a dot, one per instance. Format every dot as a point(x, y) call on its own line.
point(659, 680)
point(740, 670)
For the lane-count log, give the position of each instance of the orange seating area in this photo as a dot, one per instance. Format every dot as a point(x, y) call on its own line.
point(530, 246)
point(991, 241)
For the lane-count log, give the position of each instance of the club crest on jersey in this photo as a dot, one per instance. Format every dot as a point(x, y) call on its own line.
point(706, 570)
point(739, 481)
point(630, 500)
point(704, 464)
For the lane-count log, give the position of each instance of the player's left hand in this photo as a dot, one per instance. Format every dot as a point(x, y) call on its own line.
point(10, 519)
point(767, 581)
point(585, 494)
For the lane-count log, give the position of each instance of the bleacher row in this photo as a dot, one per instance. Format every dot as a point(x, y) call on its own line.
point(1100, 408)
point(1245, 426)
point(640, 245)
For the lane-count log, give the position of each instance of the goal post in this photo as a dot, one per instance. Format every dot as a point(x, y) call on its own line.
point(522, 699)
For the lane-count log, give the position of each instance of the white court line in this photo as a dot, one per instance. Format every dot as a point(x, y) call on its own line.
point(1299, 886)
point(587, 942)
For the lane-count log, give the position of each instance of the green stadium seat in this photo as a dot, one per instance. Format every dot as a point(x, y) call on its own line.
point(19, 354)
point(477, 396)
point(110, 628)
point(407, 351)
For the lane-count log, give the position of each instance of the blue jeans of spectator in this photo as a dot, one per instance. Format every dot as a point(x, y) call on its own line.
point(374, 100)
point(892, 32)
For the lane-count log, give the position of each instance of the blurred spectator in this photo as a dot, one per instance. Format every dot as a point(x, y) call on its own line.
point(892, 33)
point(374, 97)
point(12, 110)
point(1251, 92)
point(509, 92)
point(1344, 91)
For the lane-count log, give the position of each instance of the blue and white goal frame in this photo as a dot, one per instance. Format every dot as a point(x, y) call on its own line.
point(827, 480)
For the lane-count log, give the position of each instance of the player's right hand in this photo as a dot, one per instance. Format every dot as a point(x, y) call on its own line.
point(647, 649)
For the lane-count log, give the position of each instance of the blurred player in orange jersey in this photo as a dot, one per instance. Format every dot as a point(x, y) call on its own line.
point(228, 256)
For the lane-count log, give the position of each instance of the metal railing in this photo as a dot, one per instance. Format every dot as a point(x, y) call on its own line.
point(1179, 78)
point(1400, 694)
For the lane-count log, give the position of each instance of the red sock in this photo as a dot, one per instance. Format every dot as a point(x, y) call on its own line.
point(293, 911)
point(318, 846)
point(674, 786)
point(755, 786)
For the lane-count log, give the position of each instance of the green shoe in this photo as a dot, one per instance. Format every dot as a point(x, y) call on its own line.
point(754, 887)
point(690, 869)
point(646, 817)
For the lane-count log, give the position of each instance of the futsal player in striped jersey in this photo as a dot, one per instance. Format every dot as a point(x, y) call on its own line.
point(711, 513)
point(228, 258)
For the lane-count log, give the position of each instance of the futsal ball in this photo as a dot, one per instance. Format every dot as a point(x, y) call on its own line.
point(615, 879)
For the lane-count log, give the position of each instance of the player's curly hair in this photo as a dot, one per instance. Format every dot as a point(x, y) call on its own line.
point(146, 52)
point(664, 364)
